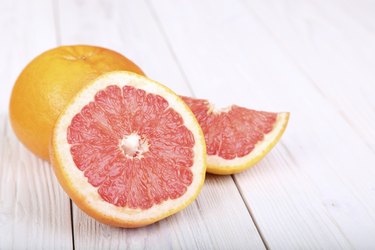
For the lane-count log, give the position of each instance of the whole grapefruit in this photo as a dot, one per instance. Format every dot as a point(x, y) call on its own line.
point(47, 84)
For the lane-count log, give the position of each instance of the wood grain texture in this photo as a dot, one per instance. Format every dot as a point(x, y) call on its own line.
point(126, 27)
point(27, 30)
point(316, 189)
point(34, 210)
point(335, 53)
point(219, 217)
point(202, 225)
point(333, 46)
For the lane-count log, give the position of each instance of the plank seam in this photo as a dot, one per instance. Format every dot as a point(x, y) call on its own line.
point(252, 216)
point(169, 46)
point(307, 75)
point(56, 19)
point(175, 58)
point(72, 222)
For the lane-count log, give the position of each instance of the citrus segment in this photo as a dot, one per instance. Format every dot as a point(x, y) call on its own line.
point(236, 137)
point(128, 151)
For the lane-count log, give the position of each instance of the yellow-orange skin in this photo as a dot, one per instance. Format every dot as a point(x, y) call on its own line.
point(80, 200)
point(49, 81)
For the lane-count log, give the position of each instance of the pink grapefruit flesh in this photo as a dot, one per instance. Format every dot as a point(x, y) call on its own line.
point(114, 137)
point(236, 137)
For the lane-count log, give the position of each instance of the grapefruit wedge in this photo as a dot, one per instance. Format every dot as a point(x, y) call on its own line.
point(236, 137)
point(128, 151)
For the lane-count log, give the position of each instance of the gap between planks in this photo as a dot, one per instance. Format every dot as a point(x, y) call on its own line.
point(56, 20)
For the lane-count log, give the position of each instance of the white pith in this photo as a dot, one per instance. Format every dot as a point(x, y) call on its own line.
point(76, 178)
point(217, 109)
point(260, 147)
point(134, 146)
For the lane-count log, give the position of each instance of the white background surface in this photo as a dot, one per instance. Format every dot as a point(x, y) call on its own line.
point(316, 59)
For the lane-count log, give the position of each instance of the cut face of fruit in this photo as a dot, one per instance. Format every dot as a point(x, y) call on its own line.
point(236, 137)
point(128, 151)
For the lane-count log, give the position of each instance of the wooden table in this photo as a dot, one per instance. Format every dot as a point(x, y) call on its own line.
point(316, 59)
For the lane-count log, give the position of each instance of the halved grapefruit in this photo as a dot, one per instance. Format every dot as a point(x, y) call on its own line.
point(236, 137)
point(128, 151)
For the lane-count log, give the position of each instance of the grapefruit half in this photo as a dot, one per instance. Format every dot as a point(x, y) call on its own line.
point(236, 137)
point(128, 151)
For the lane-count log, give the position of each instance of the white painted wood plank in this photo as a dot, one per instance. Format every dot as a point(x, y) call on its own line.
point(34, 211)
point(335, 49)
point(27, 30)
point(333, 43)
point(316, 189)
point(202, 225)
point(218, 218)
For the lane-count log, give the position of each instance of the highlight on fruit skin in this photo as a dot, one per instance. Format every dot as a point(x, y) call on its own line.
point(128, 151)
point(236, 137)
point(47, 84)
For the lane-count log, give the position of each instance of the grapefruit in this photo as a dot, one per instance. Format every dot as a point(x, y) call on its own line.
point(128, 151)
point(236, 137)
point(47, 84)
